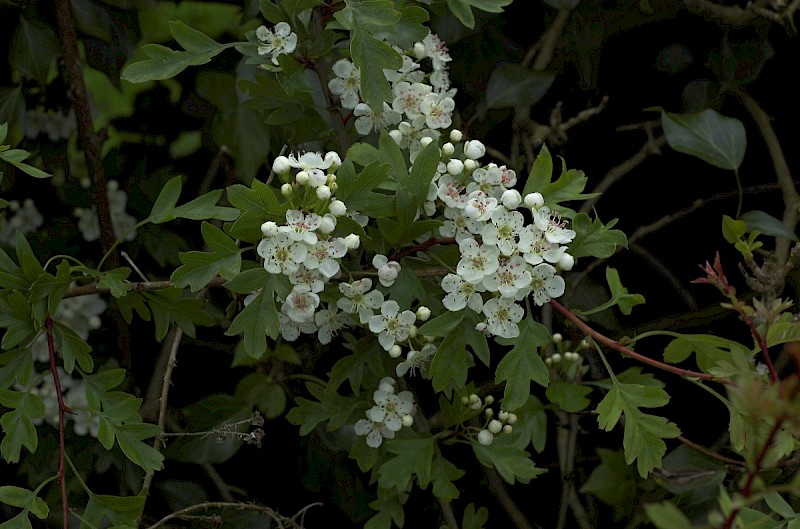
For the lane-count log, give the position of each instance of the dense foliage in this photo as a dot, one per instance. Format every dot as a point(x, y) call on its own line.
point(392, 263)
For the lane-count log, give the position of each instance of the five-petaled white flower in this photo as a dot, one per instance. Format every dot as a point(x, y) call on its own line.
point(391, 325)
point(279, 40)
point(347, 83)
point(281, 254)
point(359, 299)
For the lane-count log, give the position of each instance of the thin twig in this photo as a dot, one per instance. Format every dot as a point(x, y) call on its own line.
point(133, 265)
point(233, 505)
point(62, 447)
point(613, 344)
point(144, 286)
point(447, 513)
point(668, 274)
point(710, 453)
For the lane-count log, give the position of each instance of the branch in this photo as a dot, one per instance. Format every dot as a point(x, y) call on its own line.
point(92, 142)
point(727, 15)
point(608, 342)
point(498, 488)
point(143, 286)
point(62, 479)
point(238, 506)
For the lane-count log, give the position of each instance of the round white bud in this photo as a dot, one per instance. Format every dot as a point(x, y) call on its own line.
point(556, 358)
point(489, 412)
point(327, 224)
point(485, 437)
point(395, 351)
point(448, 149)
point(512, 418)
point(470, 165)
point(474, 149)
point(473, 399)
point(489, 399)
point(323, 192)
point(425, 141)
point(511, 199)
point(534, 200)
point(557, 338)
point(412, 331)
point(269, 229)
point(455, 166)
point(419, 50)
point(352, 241)
point(566, 262)
point(408, 421)
point(337, 208)
point(455, 135)
point(423, 313)
point(281, 165)
point(507, 428)
point(286, 189)
point(495, 426)
point(503, 415)
point(396, 135)
point(301, 178)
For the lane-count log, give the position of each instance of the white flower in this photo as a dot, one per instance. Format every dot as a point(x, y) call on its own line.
point(566, 262)
point(281, 255)
point(461, 293)
point(477, 261)
point(488, 179)
point(436, 50)
point(359, 300)
point(545, 283)
point(535, 247)
point(533, 200)
point(438, 110)
point(502, 316)
point(391, 325)
point(474, 149)
point(324, 256)
point(279, 40)
point(555, 230)
point(368, 120)
point(329, 322)
point(290, 329)
point(452, 192)
point(301, 304)
point(301, 227)
point(505, 228)
point(313, 279)
point(479, 206)
point(375, 432)
point(408, 98)
point(416, 360)
point(390, 407)
point(387, 270)
point(347, 83)
point(512, 276)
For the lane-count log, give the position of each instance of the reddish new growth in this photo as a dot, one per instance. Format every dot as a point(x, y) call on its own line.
point(716, 276)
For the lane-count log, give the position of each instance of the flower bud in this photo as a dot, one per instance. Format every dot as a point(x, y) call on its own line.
point(335, 160)
point(327, 224)
point(396, 135)
point(557, 338)
point(301, 178)
point(485, 437)
point(423, 313)
point(352, 241)
point(419, 51)
point(512, 418)
point(334, 186)
point(425, 141)
point(269, 229)
point(388, 273)
point(455, 167)
point(412, 331)
point(448, 149)
point(489, 399)
point(336, 207)
point(395, 351)
point(474, 149)
point(317, 178)
point(455, 135)
point(503, 415)
point(507, 428)
point(534, 200)
point(286, 189)
point(488, 412)
point(566, 262)
point(511, 199)
point(281, 165)
point(408, 421)
point(323, 192)
point(470, 165)
point(495, 426)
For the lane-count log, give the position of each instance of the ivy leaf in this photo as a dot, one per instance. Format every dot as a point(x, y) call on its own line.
point(513, 464)
point(414, 457)
point(523, 364)
point(644, 434)
point(708, 135)
point(199, 268)
point(594, 239)
point(164, 63)
point(619, 296)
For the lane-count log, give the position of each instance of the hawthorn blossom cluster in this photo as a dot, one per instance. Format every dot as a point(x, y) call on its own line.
point(25, 219)
point(121, 221)
point(391, 412)
point(422, 98)
point(56, 125)
point(505, 255)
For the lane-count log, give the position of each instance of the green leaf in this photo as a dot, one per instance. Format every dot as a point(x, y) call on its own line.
point(443, 474)
point(258, 319)
point(164, 63)
point(619, 296)
point(665, 515)
point(33, 50)
point(15, 157)
point(474, 519)
point(248, 281)
point(414, 457)
point(568, 396)
point(170, 305)
point(24, 498)
point(52, 287)
point(330, 407)
point(523, 364)
point(16, 365)
point(372, 57)
point(19, 521)
point(733, 230)
point(531, 429)
point(643, 434)
point(18, 424)
point(199, 268)
point(121, 511)
point(204, 207)
point(708, 135)
point(27, 259)
point(164, 206)
point(513, 85)
point(513, 464)
point(708, 349)
point(613, 482)
point(448, 369)
point(780, 505)
point(116, 281)
point(257, 204)
point(72, 347)
point(130, 437)
point(17, 318)
point(357, 191)
point(541, 173)
point(765, 223)
point(594, 239)
point(418, 181)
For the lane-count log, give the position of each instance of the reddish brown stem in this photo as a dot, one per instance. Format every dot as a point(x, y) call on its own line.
point(91, 141)
point(762, 344)
point(613, 344)
point(48, 324)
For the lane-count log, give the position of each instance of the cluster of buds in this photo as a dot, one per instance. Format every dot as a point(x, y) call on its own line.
point(494, 425)
point(392, 412)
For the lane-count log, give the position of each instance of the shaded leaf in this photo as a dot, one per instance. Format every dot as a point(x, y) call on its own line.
point(708, 135)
